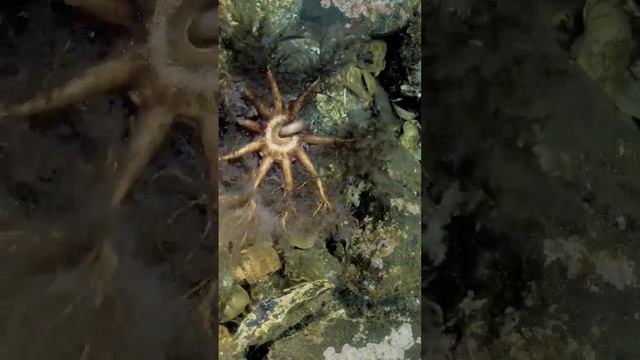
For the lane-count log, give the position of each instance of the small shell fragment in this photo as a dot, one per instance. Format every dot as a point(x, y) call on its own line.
point(257, 262)
point(236, 304)
point(404, 114)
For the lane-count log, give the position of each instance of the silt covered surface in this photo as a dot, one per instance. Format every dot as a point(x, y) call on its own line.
point(81, 280)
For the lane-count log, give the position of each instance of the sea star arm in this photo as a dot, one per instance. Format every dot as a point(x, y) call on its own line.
point(323, 140)
point(208, 125)
point(297, 105)
point(287, 177)
point(117, 12)
point(306, 162)
point(265, 166)
point(249, 124)
point(247, 149)
point(261, 107)
point(154, 124)
point(97, 79)
point(275, 91)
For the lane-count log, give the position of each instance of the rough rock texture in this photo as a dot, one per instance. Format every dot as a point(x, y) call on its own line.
point(367, 245)
point(523, 150)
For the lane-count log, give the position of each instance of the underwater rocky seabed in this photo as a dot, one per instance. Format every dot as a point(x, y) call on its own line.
point(338, 284)
point(531, 200)
point(79, 281)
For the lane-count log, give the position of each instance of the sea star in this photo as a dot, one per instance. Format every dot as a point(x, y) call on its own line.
point(174, 73)
point(281, 138)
